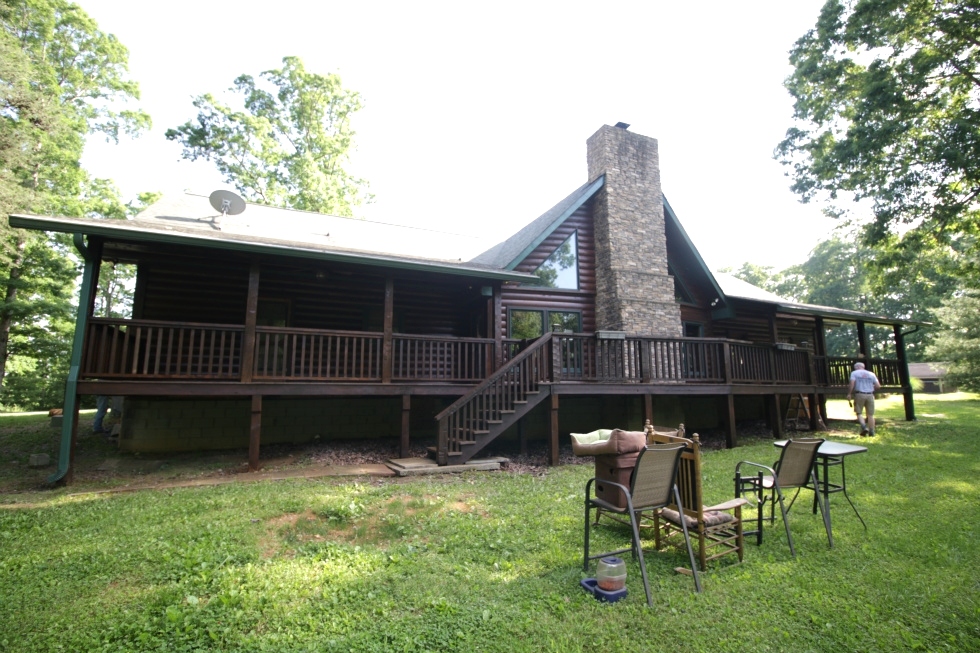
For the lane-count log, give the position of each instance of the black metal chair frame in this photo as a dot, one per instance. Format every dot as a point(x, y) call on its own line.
point(757, 485)
point(634, 512)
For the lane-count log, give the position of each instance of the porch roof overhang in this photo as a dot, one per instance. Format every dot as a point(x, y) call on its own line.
point(133, 230)
point(844, 315)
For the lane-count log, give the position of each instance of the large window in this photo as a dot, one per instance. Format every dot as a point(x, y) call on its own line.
point(526, 324)
point(560, 270)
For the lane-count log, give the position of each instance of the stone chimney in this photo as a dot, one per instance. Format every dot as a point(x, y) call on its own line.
point(634, 293)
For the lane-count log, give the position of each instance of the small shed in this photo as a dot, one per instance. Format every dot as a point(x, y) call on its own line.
point(933, 377)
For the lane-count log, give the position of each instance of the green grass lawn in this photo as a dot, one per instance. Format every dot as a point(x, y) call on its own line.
point(492, 562)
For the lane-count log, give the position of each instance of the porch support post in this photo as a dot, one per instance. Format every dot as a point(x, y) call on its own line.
point(92, 255)
point(823, 376)
point(522, 436)
point(862, 340)
point(773, 329)
point(255, 434)
point(648, 408)
point(497, 329)
point(728, 415)
point(406, 413)
point(386, 362)
point(903, 373)
point(773, 338)
point(553, 458)
point(251, 312)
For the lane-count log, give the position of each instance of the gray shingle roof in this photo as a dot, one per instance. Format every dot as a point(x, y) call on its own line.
point(507, 254)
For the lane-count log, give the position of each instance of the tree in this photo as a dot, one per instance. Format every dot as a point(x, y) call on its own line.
point(286, 148)
point(61, 79)
point(887, 111)
point(958, 343)
point(887, 280)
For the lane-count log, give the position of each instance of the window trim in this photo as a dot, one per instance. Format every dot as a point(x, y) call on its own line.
point(545, 317)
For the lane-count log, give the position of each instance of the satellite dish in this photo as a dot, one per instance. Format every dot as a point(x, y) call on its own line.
point(227, 202)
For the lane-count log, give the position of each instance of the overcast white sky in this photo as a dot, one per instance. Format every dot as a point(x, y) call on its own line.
point(476, 114)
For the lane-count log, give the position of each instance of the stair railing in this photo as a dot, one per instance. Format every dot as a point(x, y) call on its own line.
point(474, 413)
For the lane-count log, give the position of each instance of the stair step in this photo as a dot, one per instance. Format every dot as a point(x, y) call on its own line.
point(519, 402)
point(435, 451)
point(507, 412)
point(494, 422)
point(480, 432)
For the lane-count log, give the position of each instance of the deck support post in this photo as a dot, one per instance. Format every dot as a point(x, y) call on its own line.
point(255, 434)
point(731, 438)
point(648, 408)
point(775, 402)
point(553, 457)
point(406, 413)
point(903, 374)
point(814, 409)
point(522, 436)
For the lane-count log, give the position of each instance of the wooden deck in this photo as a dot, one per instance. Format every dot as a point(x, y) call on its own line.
point(139, 353)
point(156, 358)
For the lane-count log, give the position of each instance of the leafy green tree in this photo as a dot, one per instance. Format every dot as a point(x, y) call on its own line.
point(285, 148)
point(61, 79)
point(958, 341)
point(887, 111)
point(887, 280)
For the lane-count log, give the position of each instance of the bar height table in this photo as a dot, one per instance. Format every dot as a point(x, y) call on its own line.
point(832, 454)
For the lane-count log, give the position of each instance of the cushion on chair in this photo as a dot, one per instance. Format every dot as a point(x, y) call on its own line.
point(605, 441)
point(711, 518)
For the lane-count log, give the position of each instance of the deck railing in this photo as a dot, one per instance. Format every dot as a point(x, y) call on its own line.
point(150, 349)
point(430, 358)
point(287, 354)
point(158, 350)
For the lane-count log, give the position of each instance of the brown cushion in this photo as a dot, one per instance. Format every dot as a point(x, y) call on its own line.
point(711, 518)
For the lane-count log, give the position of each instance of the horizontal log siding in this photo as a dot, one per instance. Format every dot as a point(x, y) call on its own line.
point(193, 289)
point(342, 299)
point(582, 300)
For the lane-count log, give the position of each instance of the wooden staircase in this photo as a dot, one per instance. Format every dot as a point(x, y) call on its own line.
point(478, 418)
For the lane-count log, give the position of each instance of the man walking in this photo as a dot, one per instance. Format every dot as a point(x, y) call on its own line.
point(862, 388)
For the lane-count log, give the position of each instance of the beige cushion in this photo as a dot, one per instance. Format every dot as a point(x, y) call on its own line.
point(711, 518)
point(604, 441)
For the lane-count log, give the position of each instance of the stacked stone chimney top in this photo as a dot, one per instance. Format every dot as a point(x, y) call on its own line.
point(634, 292)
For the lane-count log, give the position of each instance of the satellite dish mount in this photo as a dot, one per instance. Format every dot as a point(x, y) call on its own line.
point(227, 202)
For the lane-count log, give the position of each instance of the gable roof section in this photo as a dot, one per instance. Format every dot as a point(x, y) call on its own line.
point(190, 220)
point(694, 255)
point(508, 254)
point(738, 289)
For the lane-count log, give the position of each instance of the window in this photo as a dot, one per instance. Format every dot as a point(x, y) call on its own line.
point(693, 330)
point(529, 324)
point(272, 312)
point(560, 270)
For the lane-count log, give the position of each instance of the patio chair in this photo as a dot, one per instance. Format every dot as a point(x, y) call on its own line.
point(652, 485)
point(718, 527)
point(794, 469)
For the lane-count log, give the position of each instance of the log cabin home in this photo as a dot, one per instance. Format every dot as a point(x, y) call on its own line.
point(275, 326)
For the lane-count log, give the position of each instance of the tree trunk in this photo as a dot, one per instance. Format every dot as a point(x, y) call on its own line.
point(6, 319)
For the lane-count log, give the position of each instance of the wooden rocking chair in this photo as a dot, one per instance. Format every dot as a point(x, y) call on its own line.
point(718, 527)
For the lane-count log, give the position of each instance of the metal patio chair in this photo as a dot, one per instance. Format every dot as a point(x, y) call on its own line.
point(794, 469)
point(652, 487)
